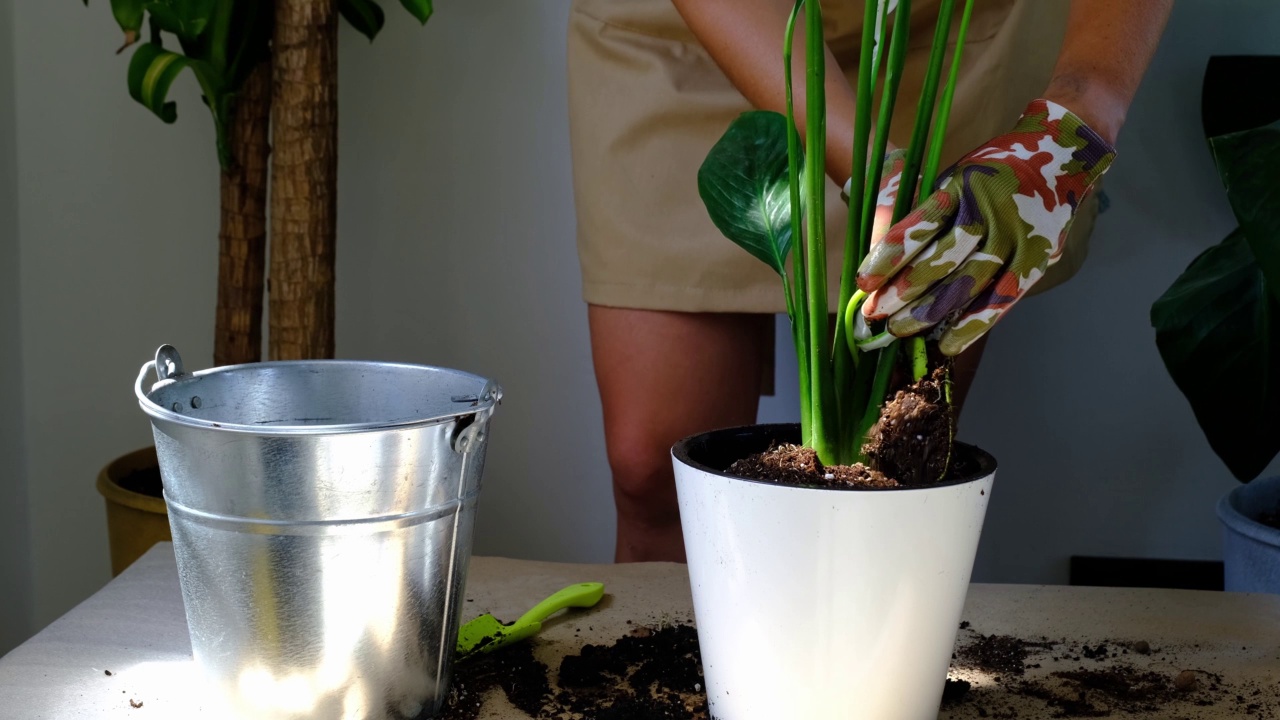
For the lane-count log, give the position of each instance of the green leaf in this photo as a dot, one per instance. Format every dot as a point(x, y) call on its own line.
point(152, 71)
point(745, 187)
point(128, 14)
point(166, 18)
point(1249, 163)
point(420, 9)
point(185, 18)
point(364, 15)
point(1218, 332)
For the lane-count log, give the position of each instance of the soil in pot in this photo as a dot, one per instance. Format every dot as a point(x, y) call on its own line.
point(1271, 519)
point(911, 444)
point(144, 481)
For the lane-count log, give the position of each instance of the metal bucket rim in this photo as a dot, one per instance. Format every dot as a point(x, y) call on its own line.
point(488, 400)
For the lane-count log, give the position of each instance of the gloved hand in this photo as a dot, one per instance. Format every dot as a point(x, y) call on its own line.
point(998, 220)
point(890, 178)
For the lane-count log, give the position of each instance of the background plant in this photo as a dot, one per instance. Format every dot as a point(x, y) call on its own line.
point(275, 118)
point(767, 194)
point(1218, 325)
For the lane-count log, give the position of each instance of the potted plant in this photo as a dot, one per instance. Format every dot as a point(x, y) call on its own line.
point(1219, 322)
point(830, 559)
point(829, 574)
point(267, 72)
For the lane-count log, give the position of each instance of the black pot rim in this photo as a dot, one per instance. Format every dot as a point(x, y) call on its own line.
point(687, 449)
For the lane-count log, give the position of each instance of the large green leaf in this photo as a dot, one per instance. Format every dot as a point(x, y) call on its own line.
point(420, 9)
point(744, 185)
point(364, 15)
point(1249, 163)
point(184, 18)
point(151, 72)
point(1218, 332)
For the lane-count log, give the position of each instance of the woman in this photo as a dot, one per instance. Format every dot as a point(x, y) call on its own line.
point(681, 319)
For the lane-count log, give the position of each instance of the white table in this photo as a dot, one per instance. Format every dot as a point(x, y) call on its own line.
point(135, 628)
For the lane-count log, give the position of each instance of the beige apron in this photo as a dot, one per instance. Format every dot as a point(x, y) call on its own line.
point(647, 103)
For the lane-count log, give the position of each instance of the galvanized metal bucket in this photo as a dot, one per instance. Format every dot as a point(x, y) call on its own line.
point(322, 515)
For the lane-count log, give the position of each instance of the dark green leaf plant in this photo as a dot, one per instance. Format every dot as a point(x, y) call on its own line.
point(1218, 326)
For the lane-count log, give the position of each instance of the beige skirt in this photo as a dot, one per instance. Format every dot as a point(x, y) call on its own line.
point(647, 102)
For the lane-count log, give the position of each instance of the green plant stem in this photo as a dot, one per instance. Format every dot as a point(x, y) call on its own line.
point(797, 308)
point(929, 175)
point(220, 34)
point(825, 420)
point(846, 358)
point(879, 388)
point(884, 359)
point(919, 359)
point(924, 112)
point(892, 78)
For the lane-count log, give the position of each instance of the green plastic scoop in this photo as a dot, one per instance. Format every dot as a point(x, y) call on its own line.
point(485, 633)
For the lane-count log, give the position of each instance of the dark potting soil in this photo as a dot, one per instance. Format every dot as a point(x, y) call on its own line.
point(912, 440)
point(911, 444)
point(651, 674)
point(1105, 682)
point(799, 465)
point(145, 481)
point(998, 654)
point(656, 674)
point(1271, 519)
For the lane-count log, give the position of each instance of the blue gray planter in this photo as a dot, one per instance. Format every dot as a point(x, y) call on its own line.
point(1250, 550)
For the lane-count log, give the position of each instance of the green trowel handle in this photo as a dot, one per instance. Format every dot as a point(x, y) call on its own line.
point(582, 595)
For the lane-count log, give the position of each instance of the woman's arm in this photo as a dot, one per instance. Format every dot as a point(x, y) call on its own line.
point(745, 39)
point(1106, 51)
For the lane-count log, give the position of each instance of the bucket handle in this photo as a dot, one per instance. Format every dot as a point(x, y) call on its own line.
point(472, 435)
point(167, 367)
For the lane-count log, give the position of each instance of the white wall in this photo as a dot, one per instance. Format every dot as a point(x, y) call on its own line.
point(117, 228)
point(15, 551)
point(456, 247)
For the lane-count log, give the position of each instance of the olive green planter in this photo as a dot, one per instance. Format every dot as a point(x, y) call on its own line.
point(136, 514)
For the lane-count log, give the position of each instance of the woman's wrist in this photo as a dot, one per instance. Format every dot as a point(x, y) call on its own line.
point(1095, 102)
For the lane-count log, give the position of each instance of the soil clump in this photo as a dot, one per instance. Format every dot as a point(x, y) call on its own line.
point(911, 444)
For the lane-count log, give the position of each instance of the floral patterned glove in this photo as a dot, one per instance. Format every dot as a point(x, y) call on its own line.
point(974, 247)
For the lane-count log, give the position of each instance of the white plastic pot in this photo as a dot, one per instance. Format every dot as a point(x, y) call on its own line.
point(824, 604)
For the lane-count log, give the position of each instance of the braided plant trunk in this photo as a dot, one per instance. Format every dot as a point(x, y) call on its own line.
point(304, 179)
point(242, 239)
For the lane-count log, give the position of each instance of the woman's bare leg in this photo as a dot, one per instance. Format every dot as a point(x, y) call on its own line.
point(664, 376)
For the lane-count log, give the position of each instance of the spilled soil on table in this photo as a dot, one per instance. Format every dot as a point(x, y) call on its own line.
point(1122, 678)
point(911, 444)
point(649, 674)
point(656, 674)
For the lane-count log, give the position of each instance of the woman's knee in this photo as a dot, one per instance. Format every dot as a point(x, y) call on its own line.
point(642, 472)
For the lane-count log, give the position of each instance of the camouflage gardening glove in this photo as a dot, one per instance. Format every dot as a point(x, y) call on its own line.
point(890, 178)
point(974, 247)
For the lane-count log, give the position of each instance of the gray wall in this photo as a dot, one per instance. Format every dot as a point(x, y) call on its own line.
point(456, 248)
point(15, 540)
point(117, 217)
point(1099, 452)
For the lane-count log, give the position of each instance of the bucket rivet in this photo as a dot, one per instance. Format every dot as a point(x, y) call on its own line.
point(195, 402)
point(177, 407)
